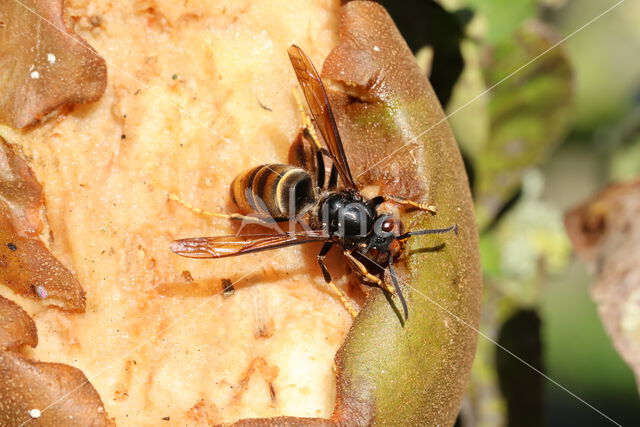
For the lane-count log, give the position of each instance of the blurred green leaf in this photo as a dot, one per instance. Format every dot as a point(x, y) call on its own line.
point(503, 17)
point(467, 112)
point(605, 59)
point(526, 246)
point(624, 163)
point(528, 114)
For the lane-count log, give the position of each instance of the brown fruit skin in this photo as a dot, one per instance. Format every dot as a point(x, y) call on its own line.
point(17, 328)
point(32, 31)
point(61, 392)
point(416, 374)
point(24, 260)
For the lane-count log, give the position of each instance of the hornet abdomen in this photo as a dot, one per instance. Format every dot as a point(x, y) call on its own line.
point(275, 190)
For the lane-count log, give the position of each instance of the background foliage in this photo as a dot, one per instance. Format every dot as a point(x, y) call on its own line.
point(542, 127)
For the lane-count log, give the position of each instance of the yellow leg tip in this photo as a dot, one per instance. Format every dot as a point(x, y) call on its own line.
point(343, 299)
point(431, 209)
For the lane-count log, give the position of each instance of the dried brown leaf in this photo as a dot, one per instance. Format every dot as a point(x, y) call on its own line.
point(605, 233)
point(17, 328)
point(60, 392)
point(43, 64)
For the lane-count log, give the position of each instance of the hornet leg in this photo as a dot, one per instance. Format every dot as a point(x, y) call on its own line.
point(362, 270)
point(233, 216)
point(327, 278)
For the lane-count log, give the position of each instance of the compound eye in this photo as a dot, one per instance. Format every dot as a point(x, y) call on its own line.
point(384, 226)
point(387, 225)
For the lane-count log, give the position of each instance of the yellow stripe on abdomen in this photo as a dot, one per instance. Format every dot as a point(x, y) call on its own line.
point(275, 190)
